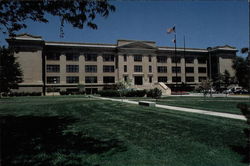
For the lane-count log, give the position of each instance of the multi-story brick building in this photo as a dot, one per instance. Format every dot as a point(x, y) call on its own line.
point(64, 65)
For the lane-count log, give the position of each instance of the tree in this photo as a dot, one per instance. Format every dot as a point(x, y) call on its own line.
point(226, 78)
point(77, 13)
point(10, 72)
point(205, 86)
point(242, 70)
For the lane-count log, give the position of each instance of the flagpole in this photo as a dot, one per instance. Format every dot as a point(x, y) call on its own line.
point(175, 53)
point(184, 53)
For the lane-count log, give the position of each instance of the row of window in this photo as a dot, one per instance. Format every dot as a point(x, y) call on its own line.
point(75, 57)
point(111, 58)
point(75, 68)
point(110, 68)
point(75, 79)
point(110, 79)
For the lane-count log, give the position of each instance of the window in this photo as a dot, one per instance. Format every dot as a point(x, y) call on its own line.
point(72, 68)
point(90, 79)
point(53, 80)
point(125, 78)
point(202, 78)
point(108, 79)
point(149, 58)
point(53, 68)
point(176, 60)
point(137, 68)
point(137, 58)
point(189, 70)
point(138, 80)
point(125, 68)
point(176, 79)
point(189, 79)
point(162, 69)
point(150, 79)
point(108, 58)
point(176, 69)
point(162, 79)
point(72, 79)
point(202, 70)
point(90, 68)
point(202, 60)
point(189, 60)
point(53, 56)
point(72, 57)
point(162, 59)
point(150, 69)
point(125, 58)
point(91, 57)
point(108, 68)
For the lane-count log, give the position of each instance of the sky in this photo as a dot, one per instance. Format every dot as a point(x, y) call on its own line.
point(203, 23)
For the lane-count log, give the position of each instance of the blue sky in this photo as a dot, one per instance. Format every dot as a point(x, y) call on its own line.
point(204, 24)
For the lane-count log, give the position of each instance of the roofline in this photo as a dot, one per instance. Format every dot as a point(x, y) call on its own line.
point(127, 40)
point(79, 44)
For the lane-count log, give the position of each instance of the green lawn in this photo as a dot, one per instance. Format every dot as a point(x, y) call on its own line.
point(219, 104)
point(74, 131)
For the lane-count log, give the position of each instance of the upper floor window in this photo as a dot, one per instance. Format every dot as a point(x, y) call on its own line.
point(72, 57)
point(90, 57)
point(53, 68)
point(162, 69)
point(176, 69)
point(72, 79)
point(53, 80)
point(162, 59)
point(108, 68)
point(108, 58)
point(137, 68)
point(202, 60)
point(176, 60)
point(90, 68)
point(72, 68)
point(149, 58)
point(150, 69)
point(189, 60)
point(53, 56)
point(125, 68)
point(189, 70)
point(137, 58)
point(202, 70)
point(125, 58)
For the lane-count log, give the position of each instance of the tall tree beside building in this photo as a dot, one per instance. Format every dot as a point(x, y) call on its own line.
point(10, 72)
point(77, 13)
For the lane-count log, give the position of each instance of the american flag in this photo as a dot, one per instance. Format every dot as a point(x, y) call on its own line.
point(170, 30)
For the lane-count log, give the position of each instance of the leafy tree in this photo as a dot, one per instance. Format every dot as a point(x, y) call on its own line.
point(10, 73)
point(154, 93)
point(226, 78)
point(205, 86)
point(77, 13)
point(242, 69)
point(218, 81)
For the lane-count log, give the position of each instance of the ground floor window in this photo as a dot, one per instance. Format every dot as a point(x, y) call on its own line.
point(91, 90)
point(91, 79)
point(150, 79)
point(162, 79)
point(138, 80)
point(176, 79)
point(72, 79)
point(53, 80)
point(202, 78)
point(189, 79)
point(108, 79)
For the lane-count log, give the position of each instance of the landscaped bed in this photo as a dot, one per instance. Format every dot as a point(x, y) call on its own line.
point(76, 130)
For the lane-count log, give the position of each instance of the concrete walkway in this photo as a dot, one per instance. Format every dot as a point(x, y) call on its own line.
point(198, 111)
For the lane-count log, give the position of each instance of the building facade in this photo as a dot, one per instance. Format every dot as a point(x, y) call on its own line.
point(65, 65)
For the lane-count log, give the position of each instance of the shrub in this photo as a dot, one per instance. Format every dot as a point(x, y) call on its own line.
point(154, 93)
point(109, 93)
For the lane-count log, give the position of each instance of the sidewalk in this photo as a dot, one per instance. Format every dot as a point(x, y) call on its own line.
point(198, 111)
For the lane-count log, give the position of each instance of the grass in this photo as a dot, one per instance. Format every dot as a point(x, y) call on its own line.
point(85, 131)
point(219, 104)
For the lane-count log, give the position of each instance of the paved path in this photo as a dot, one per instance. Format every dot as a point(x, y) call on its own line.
point(198, 111)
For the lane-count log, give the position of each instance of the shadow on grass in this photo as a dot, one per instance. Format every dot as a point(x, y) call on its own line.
point(244, 151)
point(29, 140)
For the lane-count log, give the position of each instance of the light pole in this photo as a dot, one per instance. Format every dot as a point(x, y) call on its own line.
point(210, 69)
